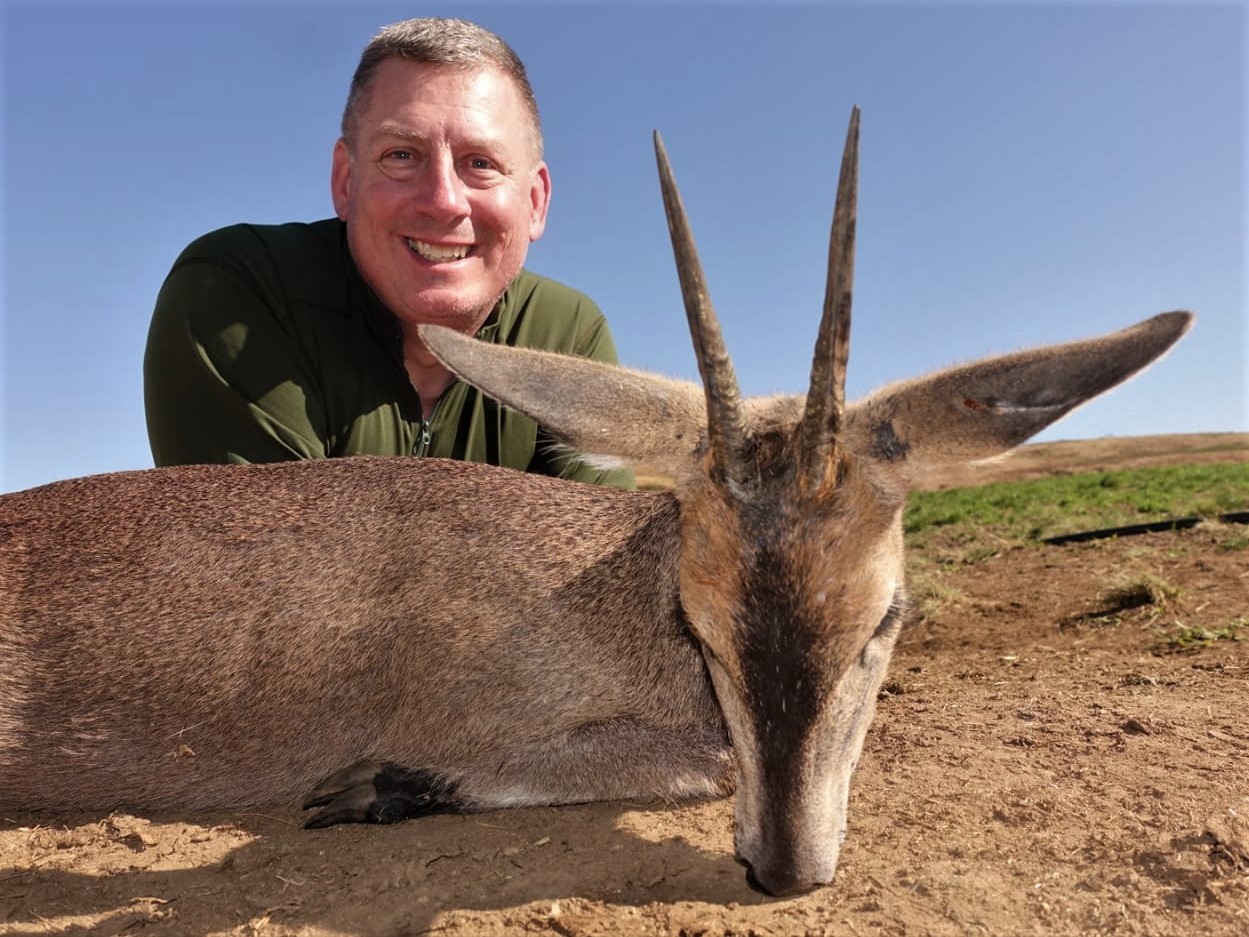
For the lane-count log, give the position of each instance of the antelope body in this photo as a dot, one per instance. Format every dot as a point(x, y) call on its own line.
point(385, 638)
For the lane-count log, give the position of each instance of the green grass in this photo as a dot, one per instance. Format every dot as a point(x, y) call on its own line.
point(1234, 542)
point(1027, 511)
point(1192, 639)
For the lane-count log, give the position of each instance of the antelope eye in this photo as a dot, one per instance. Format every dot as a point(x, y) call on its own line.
point(891, 622)
point(887, 628)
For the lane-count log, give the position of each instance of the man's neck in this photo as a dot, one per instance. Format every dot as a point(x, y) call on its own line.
point(425, 372)
point(429, 378)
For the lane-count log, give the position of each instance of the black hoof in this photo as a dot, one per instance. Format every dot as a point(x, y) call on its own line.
point(379, 792)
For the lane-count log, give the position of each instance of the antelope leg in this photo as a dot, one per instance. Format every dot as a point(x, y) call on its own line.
point(379, 792)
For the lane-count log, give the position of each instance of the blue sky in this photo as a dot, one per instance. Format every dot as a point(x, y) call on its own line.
point(1030, 173)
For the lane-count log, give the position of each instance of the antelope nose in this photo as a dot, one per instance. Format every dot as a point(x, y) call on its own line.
point(780, 884)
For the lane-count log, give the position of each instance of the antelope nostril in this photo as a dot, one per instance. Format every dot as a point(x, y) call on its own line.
point(754, 883)
point(783, 886)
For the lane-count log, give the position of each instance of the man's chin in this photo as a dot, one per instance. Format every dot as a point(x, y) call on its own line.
point(457, 313)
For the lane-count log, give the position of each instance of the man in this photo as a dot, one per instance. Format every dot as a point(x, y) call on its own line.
point(299, 340)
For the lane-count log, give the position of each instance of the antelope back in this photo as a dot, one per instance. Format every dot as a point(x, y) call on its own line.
point(791, 561)
point(199, 637)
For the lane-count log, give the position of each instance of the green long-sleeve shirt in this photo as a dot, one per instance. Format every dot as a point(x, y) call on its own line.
point(266, 345)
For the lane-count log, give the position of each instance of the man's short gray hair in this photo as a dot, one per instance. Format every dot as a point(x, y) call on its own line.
point(436, 41)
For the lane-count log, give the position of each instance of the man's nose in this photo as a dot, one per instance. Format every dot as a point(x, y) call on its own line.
point(442, 194)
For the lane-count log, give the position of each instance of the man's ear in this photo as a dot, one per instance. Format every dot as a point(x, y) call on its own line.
point(539, 200)
point(340, 178)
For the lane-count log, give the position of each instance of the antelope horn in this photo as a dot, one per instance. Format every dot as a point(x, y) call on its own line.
point(726, 421)
point(818, 449)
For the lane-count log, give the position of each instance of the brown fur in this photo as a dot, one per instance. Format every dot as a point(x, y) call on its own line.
point(217, 636)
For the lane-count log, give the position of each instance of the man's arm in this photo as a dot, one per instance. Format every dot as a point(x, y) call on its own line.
point(224, 380)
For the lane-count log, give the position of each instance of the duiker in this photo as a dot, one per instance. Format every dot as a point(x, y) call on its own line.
point(422, 636)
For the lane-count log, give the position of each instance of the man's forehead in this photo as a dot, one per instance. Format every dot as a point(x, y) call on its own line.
point(485, 99)
point(484, 81)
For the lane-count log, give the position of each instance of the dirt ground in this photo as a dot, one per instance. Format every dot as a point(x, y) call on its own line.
point(1046, 758)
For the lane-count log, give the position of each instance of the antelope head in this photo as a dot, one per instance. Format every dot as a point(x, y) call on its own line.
point(791, 558)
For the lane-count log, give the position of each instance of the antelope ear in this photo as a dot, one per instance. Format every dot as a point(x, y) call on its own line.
point(599, 409)
point(980, 410)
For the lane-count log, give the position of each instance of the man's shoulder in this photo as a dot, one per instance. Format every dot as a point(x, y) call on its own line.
point(299, 262)
point(529, 288)
point(295, 242)
point(538, 312)
point(532, 299)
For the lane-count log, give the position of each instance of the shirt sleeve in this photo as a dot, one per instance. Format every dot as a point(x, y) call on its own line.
point(225, 378)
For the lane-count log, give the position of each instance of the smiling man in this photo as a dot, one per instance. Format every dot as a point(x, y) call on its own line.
point(273, 342)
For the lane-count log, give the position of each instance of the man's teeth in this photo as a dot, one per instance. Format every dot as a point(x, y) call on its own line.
point(437, 254)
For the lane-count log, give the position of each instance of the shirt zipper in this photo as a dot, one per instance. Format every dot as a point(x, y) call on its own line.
point(423, 438)
point(425, 433)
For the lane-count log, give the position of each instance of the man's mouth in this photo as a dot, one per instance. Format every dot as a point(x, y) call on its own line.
point(438, 253)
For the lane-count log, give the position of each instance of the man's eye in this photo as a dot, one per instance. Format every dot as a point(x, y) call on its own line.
point(397, 154)
point(480, 163)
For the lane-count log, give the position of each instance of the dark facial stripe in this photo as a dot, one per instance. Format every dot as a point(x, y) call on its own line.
point(782, 682)
point(785, 683)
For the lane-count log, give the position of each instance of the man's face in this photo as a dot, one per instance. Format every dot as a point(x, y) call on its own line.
point(441, 190)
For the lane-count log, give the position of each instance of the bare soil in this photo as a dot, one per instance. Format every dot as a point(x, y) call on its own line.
point(1047, 758)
